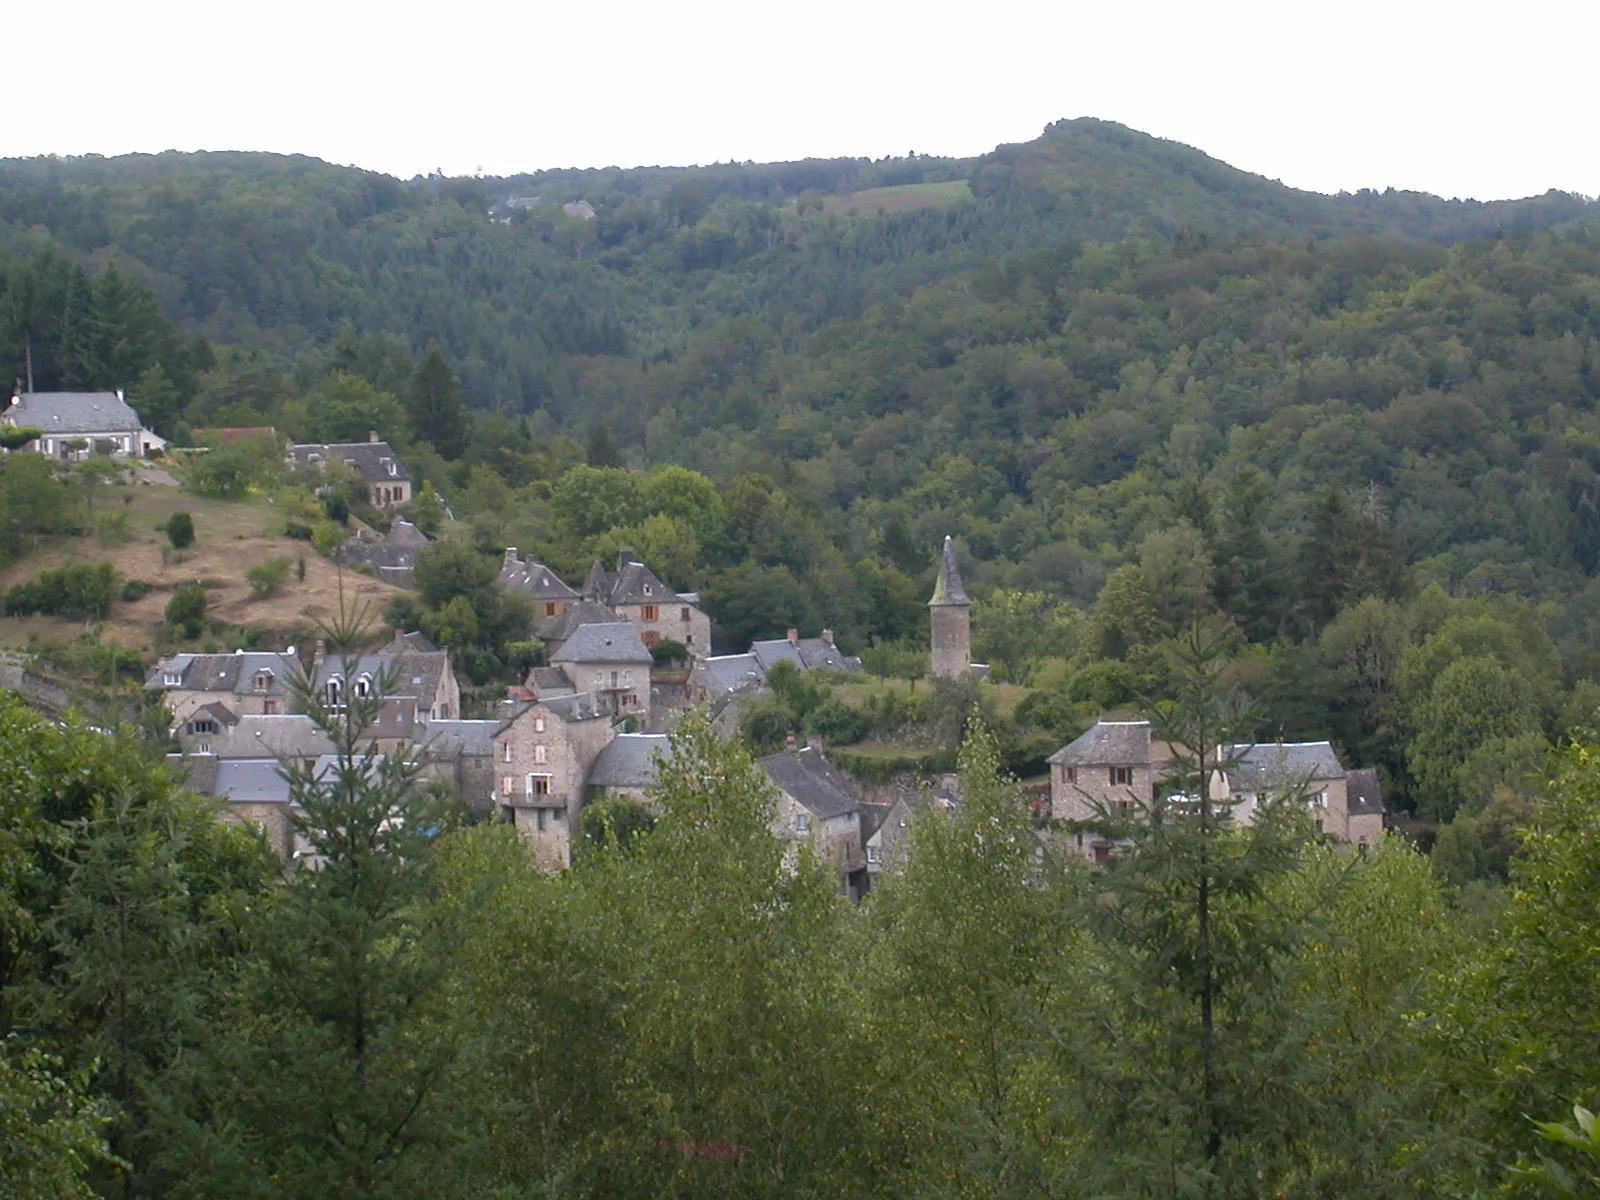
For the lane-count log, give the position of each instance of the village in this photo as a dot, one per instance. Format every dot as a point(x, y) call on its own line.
point(593, 721)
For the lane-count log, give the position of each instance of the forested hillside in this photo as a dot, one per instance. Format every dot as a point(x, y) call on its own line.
point(1136, 384)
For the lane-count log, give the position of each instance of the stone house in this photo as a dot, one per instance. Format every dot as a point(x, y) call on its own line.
point(634, 593)
point(1118, 768)
point(543, 754)
point(409, 670)
point(461, 754)
point(215, 730)
point(611, 662)
point(392, 557)
point(807, 654)
point(374, 463)
point(101, 421)
point(243, 683)
point(816, 806)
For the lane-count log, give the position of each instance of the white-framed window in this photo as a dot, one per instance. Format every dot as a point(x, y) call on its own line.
point(872, 854)
point(335, 689)
point(505, 751)
point(538, 724)
point(648, 590)
point(627, 679)
point(1320, 800)
point(802, 822)
point(263, 680)
point(172, 679)
point(364, 686)
point(205, 748)
point(508, 785)
point(541, 755)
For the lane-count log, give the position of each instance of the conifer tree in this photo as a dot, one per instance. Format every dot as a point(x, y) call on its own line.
point(435, 408)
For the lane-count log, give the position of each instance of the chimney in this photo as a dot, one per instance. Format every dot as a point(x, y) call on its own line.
point(624, 556)
point(814, 742)
point(794, 637)
point(120, 400)
point(372, 435)
point(511, 555)
point(320, 653)
point(827, 636)
point(789, 740)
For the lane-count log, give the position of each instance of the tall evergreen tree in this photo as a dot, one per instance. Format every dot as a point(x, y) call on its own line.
point(434, 405)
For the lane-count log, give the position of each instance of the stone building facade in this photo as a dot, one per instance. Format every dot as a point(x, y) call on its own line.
point(543, 755)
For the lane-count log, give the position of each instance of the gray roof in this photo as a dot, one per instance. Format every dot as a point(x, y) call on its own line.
point(576, 613)
point(629, 761)
point(287, 735)
point(614, 641)
point(1108, 743)
point(534, 578)
point(404, 534)
point(216, 711)
point(811, 781)
point(947, 588)
point(234, 673)
point(728, 672)
point(1282, 765)
point(250, 780)
point(74, 412)
point(631, 583)
point(1364, 793)
point(393, 558)
point(806, 653)
point(414, 673)
point(450, 740)
point(548, 681)
point(581, 706)
point(374, 462)
point(774, 651)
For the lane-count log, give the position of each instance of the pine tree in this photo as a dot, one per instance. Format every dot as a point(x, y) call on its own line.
point(435, 408)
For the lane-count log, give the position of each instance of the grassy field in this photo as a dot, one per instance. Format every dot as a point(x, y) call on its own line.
point(904, 198)
point(230, 537)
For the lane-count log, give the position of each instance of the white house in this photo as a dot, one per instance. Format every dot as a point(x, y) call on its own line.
point(101, 421)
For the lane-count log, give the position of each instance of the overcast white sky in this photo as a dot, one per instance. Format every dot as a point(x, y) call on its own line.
point(1458, 98)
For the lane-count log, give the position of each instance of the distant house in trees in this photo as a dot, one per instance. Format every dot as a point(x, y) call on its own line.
point(817, 806)
point(543, 753)
point(634, 593)
point(611, 661)
point(531, 578)
point(375, 464)
point(629, 765)
point(77, 424)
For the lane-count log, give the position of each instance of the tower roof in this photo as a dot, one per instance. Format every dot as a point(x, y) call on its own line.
point(947, 589)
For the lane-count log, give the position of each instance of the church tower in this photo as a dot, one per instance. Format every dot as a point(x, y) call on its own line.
point(950, 614)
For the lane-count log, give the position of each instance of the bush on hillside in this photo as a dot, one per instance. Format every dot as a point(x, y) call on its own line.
point(180, 530)
point(186, 611)
point(78, 590)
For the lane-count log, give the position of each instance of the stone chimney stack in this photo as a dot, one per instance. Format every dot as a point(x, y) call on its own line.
point(794, 637)
point(624, 556)
point(827, 636)
point(372, 435)
point(511, 556)
point(950, 619)
point(789, 741)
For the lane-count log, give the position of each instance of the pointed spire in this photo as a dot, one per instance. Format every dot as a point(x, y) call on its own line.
point(947, 589)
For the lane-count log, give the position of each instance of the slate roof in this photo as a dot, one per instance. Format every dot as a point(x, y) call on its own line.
point(73, 412)
point(806, 653)
point(406, 535)
point(629, 761)
point(218, 712)
point(614, 641)
point(811, 781)
point(415, 641)
point(1364, 793)
point(225, 673)
point(581, 612)
point(450, 740)
point(947, 588)
point(289, 735)
point(534, 578)
point(548, 681)
point(1282, 764)
point(366, 459)
point(581, 706)
point(414, 673)
point(725, 673)
point(631, 583)
point(1108, 744)
point(247, 780)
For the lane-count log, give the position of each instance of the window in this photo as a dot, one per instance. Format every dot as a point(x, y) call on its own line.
point(204, 725)
point(505, 751)
point(1122, 776)
point(599, 680)
point(541, 785)
point(334, 689)
point(538, 724)
point(552, 610)
point(364, 686)
point(1069, 774)
point(1320, 800)
point(613, 679)
point(627, 679)
point(651, 612)
point(205, 748)
point(872, 854)
point(269, 708)
point(541, 755)
point(683, 614)
point(802, 822)
point(172, 679)
point(508, 785)
point(263, 680)
point(649, 591)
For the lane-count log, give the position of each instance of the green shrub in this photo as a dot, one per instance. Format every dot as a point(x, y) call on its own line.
point(135, 589)
point(186, 611)
point(837, 723)
point(180, 530)
point(79, 590)
point(667, 652)
point(267, 577)
point(111, 528)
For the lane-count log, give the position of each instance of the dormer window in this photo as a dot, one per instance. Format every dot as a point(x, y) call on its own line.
point(364, 686)
point(335, 691)
point(172, 679)
point(389, 466)
point(313, 458)
point(263, 681)
point(648, 590)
